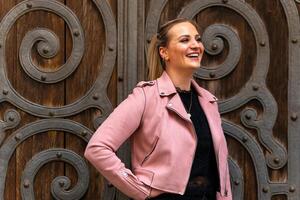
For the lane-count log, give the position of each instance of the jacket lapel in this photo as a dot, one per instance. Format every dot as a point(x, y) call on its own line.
point(175, 104)
point(208, 103)
point(207, 108)
point(166, 88)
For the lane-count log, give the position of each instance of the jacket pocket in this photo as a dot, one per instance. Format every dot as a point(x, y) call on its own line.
point(151, 150)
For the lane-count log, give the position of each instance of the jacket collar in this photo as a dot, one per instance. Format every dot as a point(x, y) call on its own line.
point(166, 88)
point(165, 85)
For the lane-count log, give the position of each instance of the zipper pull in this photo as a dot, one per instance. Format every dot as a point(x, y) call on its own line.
point(226, 193)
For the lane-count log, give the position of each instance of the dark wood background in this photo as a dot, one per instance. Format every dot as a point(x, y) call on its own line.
point(132, 19)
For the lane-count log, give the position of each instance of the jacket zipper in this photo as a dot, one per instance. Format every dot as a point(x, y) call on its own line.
point(194, 133)
point(217, 155)
point(223, 192)
point(128, 180)
point(226, 173)
point(153, 148)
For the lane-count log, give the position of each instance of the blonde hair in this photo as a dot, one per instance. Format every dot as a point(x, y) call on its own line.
point(156, 64)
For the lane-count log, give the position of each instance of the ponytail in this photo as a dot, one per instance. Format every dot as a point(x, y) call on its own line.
point(154, 59)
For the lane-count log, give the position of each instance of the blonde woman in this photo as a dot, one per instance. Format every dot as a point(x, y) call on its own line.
point(178, 149)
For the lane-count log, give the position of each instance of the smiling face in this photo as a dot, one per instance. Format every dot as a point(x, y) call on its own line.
point(184, 49)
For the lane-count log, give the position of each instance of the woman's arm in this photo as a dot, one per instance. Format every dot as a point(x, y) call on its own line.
point(117, 128)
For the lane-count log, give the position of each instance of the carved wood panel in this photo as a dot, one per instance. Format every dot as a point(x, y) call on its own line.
point(56, 62)
point(65, 64)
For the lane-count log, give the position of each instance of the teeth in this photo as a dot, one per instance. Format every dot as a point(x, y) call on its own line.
point(193, 55)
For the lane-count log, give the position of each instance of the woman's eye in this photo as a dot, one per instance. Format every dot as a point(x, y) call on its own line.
point(198, 39)
point(184, 40)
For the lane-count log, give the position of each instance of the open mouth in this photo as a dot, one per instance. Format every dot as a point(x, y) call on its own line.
point(193, 55)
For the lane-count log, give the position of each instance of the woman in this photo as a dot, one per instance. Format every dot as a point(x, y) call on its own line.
point(178, 149)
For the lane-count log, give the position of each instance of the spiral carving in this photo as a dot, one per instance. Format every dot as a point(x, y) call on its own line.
point(11, 120)
point(48, 42)
point(248, 117)
point(212, 38)
point(47, 46)
point(60, 186)
point(256, 154)
point(42, 126)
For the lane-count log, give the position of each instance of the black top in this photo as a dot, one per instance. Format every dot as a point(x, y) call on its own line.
point(204, 164)
point(204, 168)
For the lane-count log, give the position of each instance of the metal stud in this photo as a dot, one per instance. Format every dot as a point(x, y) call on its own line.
point(292, 189)
point(96, 96)
point(43, 77)
point(120, 79)
point(294, 116)
point(212, 74)
point(262, 43)
point(29, 5)
point(110, 48)
point(84, 133)
point(58, 155)
point(255, 87)
point(276, 160)
point(225, 1)
point(17, 137)
point(11, 118)
point(265, 189)
point(5, 92)
point(76, 33)
point(51, 114)
point(26, 183)
point(244, 139)
point(214, 47)
point(248, 116)
point(236, 182)
point(45, 51)
point(294, 40)
point(109, 184)
point(61, 183)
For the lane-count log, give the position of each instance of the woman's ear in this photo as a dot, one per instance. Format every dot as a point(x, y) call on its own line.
point(163, 52)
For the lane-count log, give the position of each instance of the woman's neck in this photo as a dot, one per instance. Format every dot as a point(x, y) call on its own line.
point(180, 79)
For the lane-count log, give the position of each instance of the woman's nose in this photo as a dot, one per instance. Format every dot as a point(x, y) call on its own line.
point(195, 44)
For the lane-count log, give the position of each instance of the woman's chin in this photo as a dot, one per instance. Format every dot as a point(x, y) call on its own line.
point(195, 66)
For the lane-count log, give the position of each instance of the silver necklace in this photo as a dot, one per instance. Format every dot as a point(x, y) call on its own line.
point(191, 101)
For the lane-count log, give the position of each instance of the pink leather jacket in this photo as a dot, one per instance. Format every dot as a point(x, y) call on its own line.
point(163, 141)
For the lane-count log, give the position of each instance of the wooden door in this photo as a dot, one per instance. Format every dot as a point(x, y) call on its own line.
point(57, 85)
point(64, 65)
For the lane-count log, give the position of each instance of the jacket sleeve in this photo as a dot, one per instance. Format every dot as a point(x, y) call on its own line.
point(118, 127)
